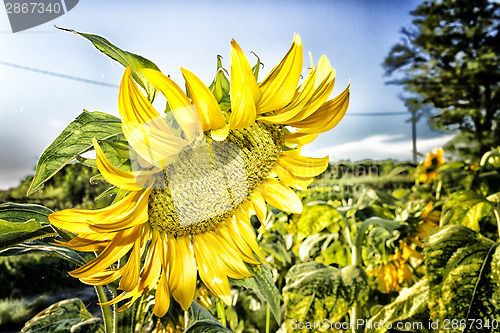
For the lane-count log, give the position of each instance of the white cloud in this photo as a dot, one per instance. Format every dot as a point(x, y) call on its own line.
point(378, 147)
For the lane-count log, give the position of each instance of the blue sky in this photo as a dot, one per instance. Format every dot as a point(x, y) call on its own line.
point(355, 36)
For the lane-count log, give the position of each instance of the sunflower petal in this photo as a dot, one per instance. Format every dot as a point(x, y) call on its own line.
point(130, 276)
point(278, 88)
point(180, 105)
point(259, 205)
point(240, 229)
point(245, 92)
point(281, 196)
point(300, 138)
point(208, 109)
point(211, 270)
point(132, 105)
point(90, 221)
point(184, 293)
point(122, 179)
point(162, 297)
point(117, 248)
point(302, 166)
point(326, 117)
point(298, 183)
point(235, 267)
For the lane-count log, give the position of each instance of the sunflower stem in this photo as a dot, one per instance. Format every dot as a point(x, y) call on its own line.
point(357, 261)
point(221, 312)
point(107, 314)
point(268, 318)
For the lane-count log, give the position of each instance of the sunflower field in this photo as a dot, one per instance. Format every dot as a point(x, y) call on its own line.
point(301, 245)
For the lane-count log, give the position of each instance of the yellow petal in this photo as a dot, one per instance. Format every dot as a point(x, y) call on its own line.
point(131, 269)
point(302, 166)
point(211, 270)
point(136, 214)
point(235, 267)
point(281, 196)
point(243, 232)
point(327, 116)
point(152, 141)
point(152, 264)
point(117, 248)
point(243, 111)
point(221, 133)
point(132, 104)
point(180, 105)
point(278, 88)
point(298, 183)
point(208, 109)
point(117, 177)
point(162, 297)
point(323, 87)
point(184, 293)
point(241, 73)
point(300, 138)
point(88, 221)
point(172, 266)
point(239, 243)
point(259, 205)
point(300, 99)
point(102, 278)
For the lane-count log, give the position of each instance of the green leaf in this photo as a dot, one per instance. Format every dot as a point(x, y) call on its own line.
point(463, 270)
point(20, 223)
point(315, 292)
point(76, 139)
point(66, 316)
point(220, 86)
point(410, 304)
point(201, 321)
point(466, 208)
point(262, 282)
point(136, 62)
point(15, 212)
point(316, 218)
point(45, 248)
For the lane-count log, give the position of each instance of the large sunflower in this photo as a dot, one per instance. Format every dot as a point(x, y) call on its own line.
point(199, 175)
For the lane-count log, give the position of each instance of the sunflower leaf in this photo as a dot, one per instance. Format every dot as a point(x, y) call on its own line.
point(69, 315)
point(201, 321)
point(316, 218)
point(463, 270)
point(262, 282)
point(20, 223)
point(467, 208)
point(315, 292)
point(38, 246)
point(409, 305)
point(125, 58)
point(75, 140)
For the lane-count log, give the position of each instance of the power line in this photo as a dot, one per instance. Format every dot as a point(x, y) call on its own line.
point(63, 76)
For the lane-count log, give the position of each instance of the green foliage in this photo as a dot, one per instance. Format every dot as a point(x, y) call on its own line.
point(449, 60)
point(63, 317)
point(263, 283)
point(463, 273)
point(466, 208)
point(75, 140)
point(21, 223)
point(314, 292)
point(201, 321)
point(410, 306)
point(26, 275)
point(136, 62)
